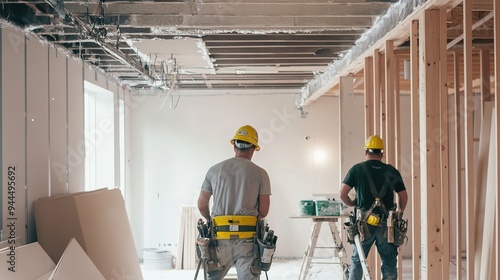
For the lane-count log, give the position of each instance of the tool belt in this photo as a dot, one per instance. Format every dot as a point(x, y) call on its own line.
point(234, 227)
point(207, 253)
point(351, 230)
point(266, 241)
point(400, 230)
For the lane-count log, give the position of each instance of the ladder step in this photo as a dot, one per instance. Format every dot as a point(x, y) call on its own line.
point(230, 277)
point(313, 262)
point(338, 247)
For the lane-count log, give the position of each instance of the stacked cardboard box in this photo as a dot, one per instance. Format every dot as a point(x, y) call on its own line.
point(31, 262)
point(99, 223)
point(26, 262)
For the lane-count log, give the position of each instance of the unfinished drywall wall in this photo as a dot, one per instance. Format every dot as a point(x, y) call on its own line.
point(42, 127)
point(13, 135)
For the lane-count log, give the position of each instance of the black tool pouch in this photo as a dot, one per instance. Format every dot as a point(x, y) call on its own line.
point(208, 253)
point(400, 236)
point(266, 253)
point(351, 231)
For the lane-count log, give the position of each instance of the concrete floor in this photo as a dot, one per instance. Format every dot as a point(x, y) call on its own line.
point(282, 269)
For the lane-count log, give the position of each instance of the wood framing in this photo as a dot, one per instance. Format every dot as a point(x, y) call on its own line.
point(397, 143)
point(376, 89)
point(383, 112)
point(415, 149)
point(496, 10)
point(430, 131)
point(458, 166)
point(375, 129)
point(446, 79)
point(445, 190)
point(369, 97)
point(469, 135)
point(390, 118)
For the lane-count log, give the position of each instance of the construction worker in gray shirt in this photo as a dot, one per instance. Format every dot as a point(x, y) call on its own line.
point(241, 196)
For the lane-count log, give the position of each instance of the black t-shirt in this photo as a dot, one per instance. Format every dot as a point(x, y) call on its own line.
point(380, 173)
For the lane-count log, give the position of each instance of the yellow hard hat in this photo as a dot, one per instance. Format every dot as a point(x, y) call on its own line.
point(248, 134)
point(374, 142)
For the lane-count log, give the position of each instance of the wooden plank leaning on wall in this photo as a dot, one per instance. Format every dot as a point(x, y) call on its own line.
point(496, 10)
point(415, 149)
point(469, 135)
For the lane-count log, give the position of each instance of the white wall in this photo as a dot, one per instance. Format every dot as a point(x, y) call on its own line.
point(171, 150)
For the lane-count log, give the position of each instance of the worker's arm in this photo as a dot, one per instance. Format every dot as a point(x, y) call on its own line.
point(403, 199)
point(264, 203)
point(344, 195)
point(203, 202)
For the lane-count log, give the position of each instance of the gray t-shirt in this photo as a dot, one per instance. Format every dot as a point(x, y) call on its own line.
point(236, 184)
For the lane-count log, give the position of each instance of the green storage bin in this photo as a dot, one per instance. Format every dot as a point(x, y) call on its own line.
point(307, 208)
point(328, 208)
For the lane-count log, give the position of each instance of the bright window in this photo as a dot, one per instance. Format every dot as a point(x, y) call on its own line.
point(99, 138)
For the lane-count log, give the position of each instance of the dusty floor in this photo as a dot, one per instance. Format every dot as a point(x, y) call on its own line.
point(282, 269)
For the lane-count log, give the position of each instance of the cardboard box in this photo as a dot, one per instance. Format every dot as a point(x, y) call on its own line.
point(99, 222)
point(75, 265)
point(31, 262)
point(25, 262)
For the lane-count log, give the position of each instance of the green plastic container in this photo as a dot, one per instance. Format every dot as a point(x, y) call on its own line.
point(307, 208)
point(328, 208)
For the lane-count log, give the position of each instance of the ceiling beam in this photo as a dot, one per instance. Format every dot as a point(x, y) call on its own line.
point(395, 27)
point(229, 23)
point(235, 8)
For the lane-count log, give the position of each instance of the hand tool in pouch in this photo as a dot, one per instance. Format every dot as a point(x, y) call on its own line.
point(205, 249)
point(267, 246)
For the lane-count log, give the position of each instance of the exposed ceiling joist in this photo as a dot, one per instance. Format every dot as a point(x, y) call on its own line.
point(266, 46)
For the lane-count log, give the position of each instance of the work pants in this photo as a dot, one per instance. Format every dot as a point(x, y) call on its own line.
point(242, 254)
point(387, 251)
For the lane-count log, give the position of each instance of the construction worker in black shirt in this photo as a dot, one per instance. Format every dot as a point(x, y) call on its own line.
point(375, 183)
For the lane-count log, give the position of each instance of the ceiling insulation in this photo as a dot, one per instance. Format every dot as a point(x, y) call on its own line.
point(266, 46)
point(234, 47)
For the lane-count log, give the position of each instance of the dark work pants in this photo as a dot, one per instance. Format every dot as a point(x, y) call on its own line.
point(387, 251)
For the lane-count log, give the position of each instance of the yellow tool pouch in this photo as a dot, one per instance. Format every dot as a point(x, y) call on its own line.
point(235, 227)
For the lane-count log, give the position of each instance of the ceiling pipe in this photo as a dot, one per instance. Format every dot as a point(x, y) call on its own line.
point(109, 48)
point(324, 81)
point(58, 6)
